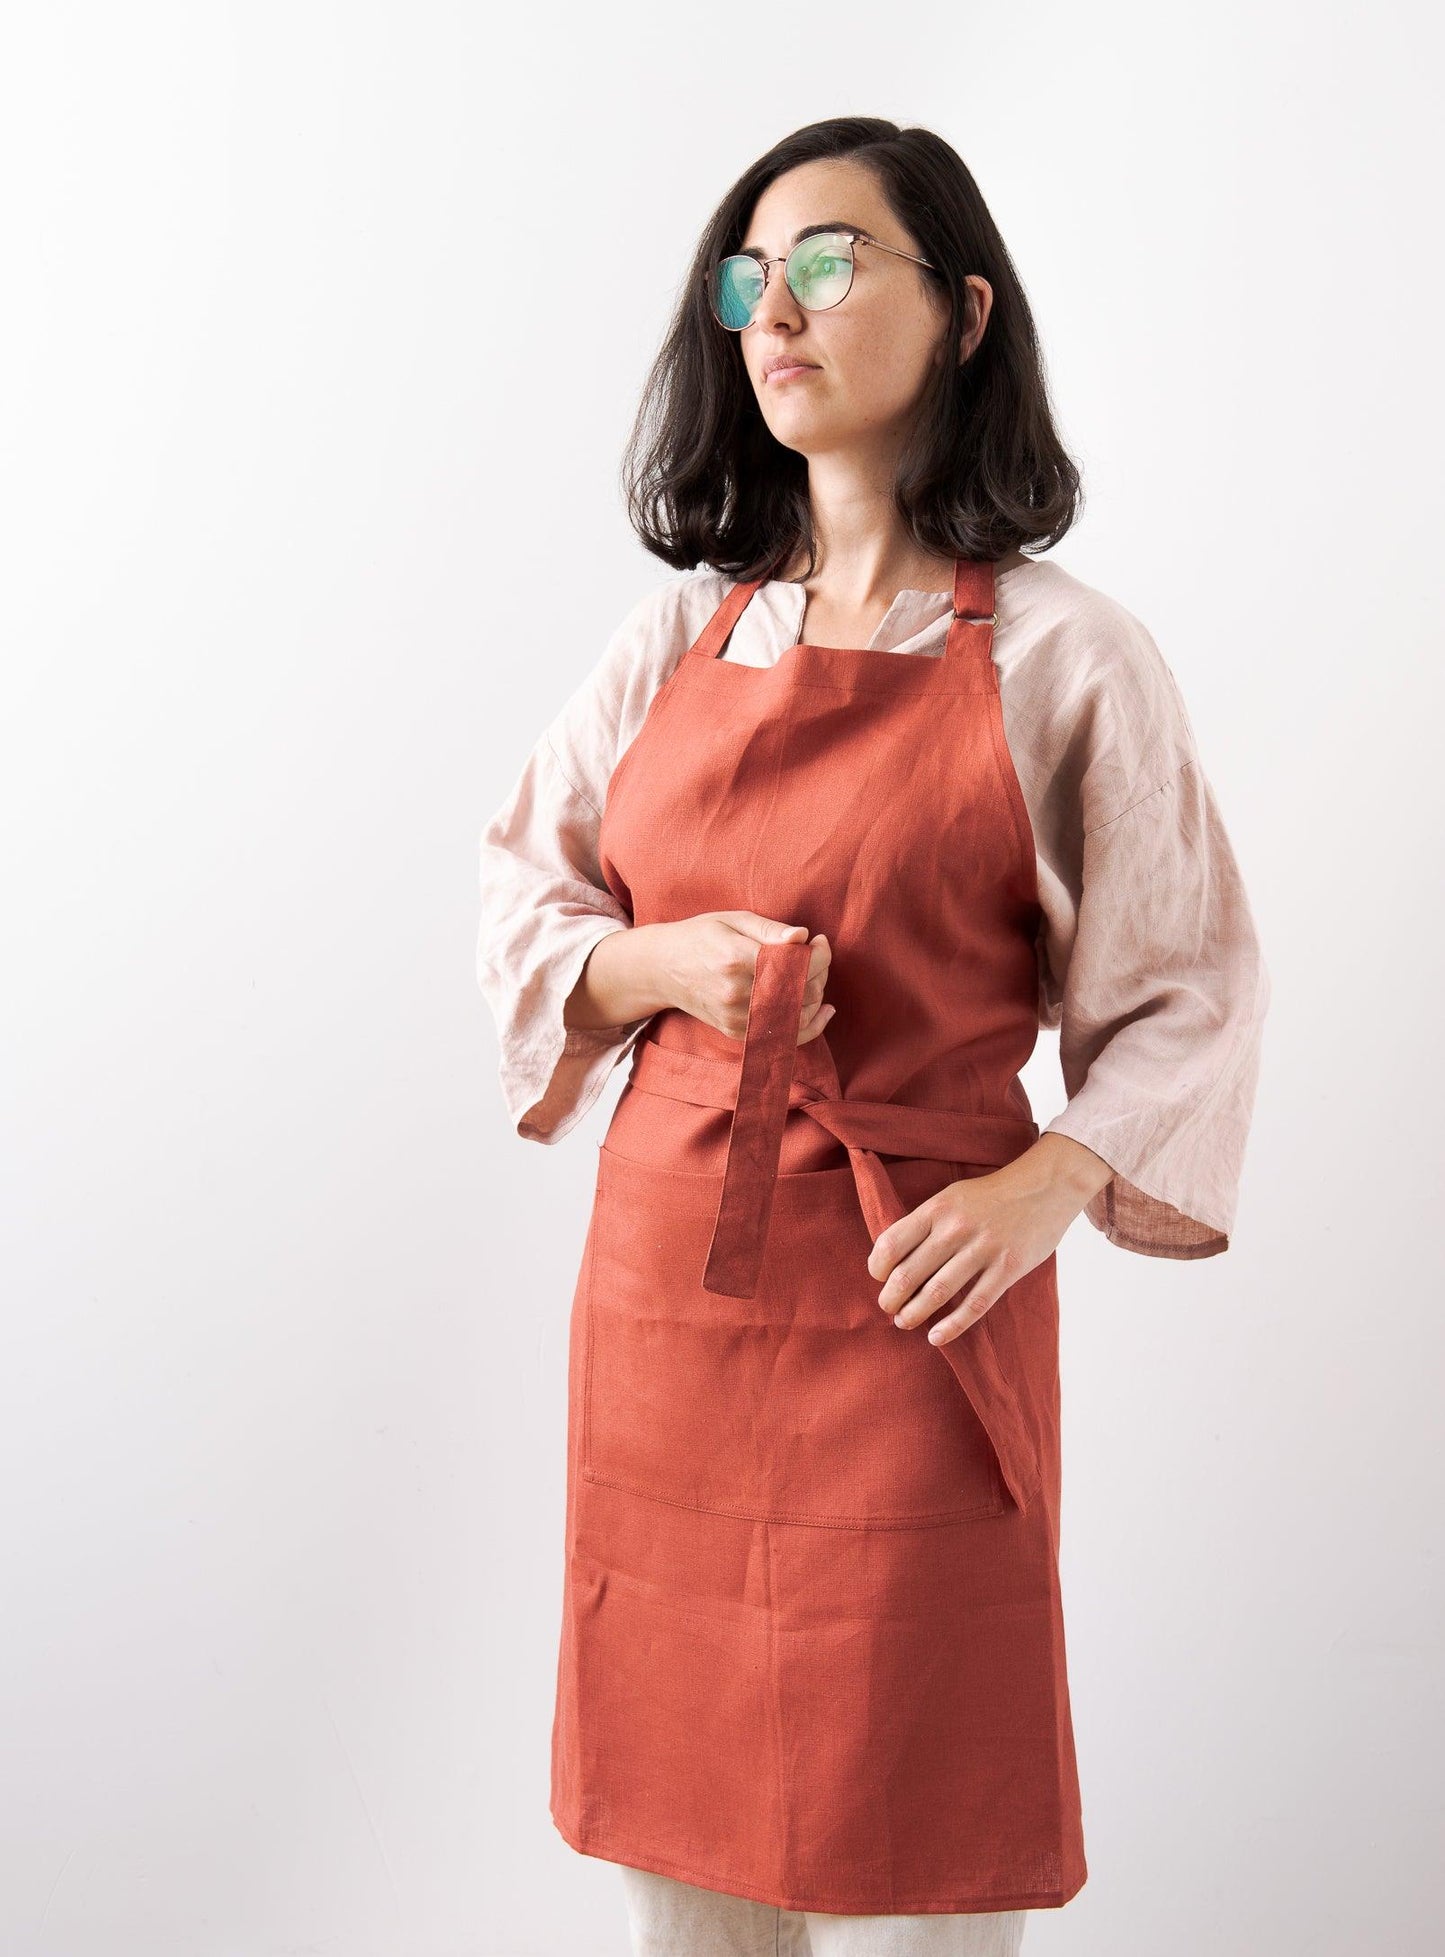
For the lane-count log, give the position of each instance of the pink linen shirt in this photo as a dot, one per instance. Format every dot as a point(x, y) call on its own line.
point(1150, 966)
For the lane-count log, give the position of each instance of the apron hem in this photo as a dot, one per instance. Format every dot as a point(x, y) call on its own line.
point(604, 1848)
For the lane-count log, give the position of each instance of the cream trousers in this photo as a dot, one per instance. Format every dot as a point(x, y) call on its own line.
point(674, 1919)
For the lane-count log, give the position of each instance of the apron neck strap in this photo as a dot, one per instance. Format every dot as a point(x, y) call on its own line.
point(714, 635)
point(970, 631)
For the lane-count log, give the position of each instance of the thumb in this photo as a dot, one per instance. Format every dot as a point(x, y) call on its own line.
point(764, 930)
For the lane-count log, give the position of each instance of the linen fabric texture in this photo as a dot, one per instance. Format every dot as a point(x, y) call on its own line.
point(812, 1649)
point(1149, 962)
point(812, 1654)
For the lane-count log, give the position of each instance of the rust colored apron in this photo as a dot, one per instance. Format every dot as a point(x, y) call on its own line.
point(812, 1648)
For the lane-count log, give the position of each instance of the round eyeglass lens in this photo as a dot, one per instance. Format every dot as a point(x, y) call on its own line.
point(820, 270)
point(737, 286)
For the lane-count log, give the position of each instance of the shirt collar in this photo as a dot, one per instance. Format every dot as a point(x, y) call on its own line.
point(910, 623)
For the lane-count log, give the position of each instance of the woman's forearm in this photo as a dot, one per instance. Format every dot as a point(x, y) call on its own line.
point(621, 980)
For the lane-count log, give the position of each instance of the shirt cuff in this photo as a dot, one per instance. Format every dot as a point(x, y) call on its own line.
point(549, 1084)
point(1137, 1213)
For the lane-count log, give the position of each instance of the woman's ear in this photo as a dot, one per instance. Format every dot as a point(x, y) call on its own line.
point(980, 305)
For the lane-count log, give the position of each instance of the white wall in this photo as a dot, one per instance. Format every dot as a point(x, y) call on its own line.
point(310, 522)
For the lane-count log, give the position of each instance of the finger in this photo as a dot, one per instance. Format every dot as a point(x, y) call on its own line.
point(815, 1023)
point(925, 1285)
point(910, 1252)
point(891, 1246)
point(979, 1301)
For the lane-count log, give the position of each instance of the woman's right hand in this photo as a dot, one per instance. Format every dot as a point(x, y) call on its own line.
point(705, 965)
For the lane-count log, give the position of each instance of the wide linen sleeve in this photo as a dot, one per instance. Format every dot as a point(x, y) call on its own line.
point(544, 902)
point(544, 907)
point(1162, 1002)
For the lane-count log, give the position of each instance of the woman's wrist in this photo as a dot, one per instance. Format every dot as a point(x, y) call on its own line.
point(1059, 1165)
point(620, 981)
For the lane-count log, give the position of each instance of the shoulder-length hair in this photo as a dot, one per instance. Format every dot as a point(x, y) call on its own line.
point(984, 471)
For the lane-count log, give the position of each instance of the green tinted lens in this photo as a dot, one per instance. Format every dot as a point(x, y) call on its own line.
point(737, 286)
point(820, 270)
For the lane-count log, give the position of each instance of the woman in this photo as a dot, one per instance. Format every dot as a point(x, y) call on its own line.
point(841, 817)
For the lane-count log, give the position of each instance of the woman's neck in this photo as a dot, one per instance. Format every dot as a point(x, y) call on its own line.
point(918, 573)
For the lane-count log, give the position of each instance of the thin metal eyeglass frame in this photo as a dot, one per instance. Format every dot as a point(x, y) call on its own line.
point(855, 238)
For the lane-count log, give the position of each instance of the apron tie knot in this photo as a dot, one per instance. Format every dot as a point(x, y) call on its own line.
point(774, 1074)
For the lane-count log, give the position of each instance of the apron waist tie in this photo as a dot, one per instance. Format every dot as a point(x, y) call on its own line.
point(776, 1073)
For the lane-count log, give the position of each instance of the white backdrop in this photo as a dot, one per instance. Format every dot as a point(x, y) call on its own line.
point(322, 329)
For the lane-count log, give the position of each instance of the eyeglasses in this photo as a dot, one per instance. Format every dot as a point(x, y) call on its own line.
point(818, 271)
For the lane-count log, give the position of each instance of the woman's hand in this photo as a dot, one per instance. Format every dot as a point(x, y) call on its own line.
point(706, 964)
point(985, 1232)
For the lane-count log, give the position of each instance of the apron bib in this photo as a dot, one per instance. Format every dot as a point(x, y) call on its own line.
point(812, 1648)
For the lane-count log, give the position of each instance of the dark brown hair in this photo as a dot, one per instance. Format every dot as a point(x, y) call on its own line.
point(984, 471)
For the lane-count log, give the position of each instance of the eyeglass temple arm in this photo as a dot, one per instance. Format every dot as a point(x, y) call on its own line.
point(897, 253)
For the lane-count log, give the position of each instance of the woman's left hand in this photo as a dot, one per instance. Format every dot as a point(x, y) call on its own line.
point(989, 1229)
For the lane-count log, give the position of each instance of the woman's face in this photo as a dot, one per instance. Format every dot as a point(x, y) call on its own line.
point(870, 356)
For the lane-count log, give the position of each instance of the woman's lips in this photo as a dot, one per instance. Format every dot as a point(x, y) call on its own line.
point(789, 373)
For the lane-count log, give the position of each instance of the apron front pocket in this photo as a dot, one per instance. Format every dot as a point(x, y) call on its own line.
point(802, 1404)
